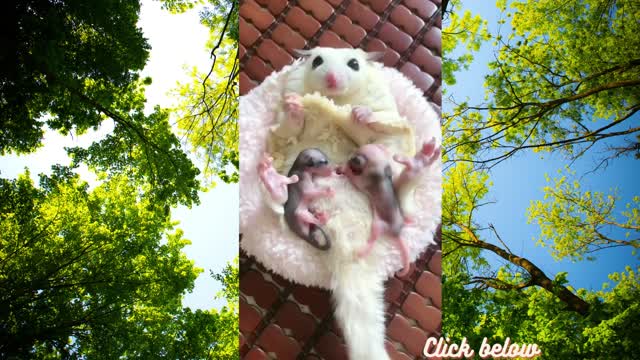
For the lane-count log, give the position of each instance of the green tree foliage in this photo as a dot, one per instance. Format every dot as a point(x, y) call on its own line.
point(98, 273)
point(574, 223)
point(95, 273)
point(227, 338)
point(463, 32)
point(565, 89)
point(56, 51)
point(565, 77)
point(69, 65)
point(208, 109)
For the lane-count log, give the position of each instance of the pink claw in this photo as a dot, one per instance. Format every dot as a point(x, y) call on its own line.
point(293, 106)
point(361, 115)
point(322, 216)
point(275, 183)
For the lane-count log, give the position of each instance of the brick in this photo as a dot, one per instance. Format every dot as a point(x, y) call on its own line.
point(275, 6)
point(329, 346)
point(430, 286)
point(331, 39)
point(273, 340)
point(274, 54)
point(335, 3)
point(253, 284)
point(424, 9)
point(288, 38)
point(256, 354)
point(411, 337)
point(290, 317)
point(317, 300)
point(248, 33)
point(257, 70)
point(344, 27)
point(427, 61)
point(433, 39)
point(362, 15)
point(391, 57)
point(246, 84)
point(393, 290)
point(428, 317)
point(421, 79)
point(378, 6)
point(300, 21)
point(257, 15)
point(403, 18)
point(319, 9)
point(250, 317)
point(435, 264)
point(395, 38)
point(394, 354)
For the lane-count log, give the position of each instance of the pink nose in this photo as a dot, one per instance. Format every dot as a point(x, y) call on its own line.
point(332, 81)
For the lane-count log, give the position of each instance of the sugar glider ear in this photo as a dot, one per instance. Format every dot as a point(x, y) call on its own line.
point(374, 55)
point(302, 53)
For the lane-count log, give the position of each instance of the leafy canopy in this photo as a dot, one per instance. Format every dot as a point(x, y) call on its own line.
point(88, 265)
point(565, 76)
point(208, 109)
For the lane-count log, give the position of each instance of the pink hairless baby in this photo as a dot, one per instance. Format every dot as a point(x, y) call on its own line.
point(298, 191)
point(370, 172)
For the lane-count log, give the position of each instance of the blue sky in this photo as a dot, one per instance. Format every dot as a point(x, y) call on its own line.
point(212, 227)
point(520, 179)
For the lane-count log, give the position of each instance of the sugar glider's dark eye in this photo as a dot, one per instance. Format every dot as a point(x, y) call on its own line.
point(316, 62)
point(353, 63)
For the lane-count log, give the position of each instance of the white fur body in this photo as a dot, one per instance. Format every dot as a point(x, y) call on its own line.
point(365, 87)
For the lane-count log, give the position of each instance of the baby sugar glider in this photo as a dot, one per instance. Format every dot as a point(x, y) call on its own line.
point(301, 217)
point(346, 76)
point(369, 170)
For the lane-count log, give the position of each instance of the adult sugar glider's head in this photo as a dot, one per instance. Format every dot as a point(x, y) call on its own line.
point(336, 72)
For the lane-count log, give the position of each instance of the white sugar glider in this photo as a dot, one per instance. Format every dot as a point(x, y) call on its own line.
point(347, 77)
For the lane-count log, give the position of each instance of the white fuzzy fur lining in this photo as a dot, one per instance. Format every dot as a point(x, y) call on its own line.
point(266, 236)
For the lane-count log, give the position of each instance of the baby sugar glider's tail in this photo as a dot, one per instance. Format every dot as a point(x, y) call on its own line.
point(358, 296)
point(318, 238)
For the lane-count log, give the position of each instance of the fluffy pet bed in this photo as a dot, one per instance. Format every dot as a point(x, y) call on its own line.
point(266, 236)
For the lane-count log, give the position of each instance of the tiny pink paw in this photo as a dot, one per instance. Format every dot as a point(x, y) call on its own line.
point(293, 106)
point(322, 217)
point(361, 114)
point(407, 162)
point(265, 163)
point(428, 153)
